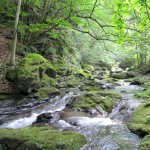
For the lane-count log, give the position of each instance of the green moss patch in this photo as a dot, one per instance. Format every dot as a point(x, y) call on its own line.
point(142, 80)
point(47, 81)
point(145, 144)
point(46, 92)
point(4, 96)
point(123, 75)
point(139, 122)
point(83, 73)
point(10, 96)
point(88, 67)
point(143, 94)
point(93, 99)
point(61, 66)
point(40, 138)
point(111, 95)
point(29, 72)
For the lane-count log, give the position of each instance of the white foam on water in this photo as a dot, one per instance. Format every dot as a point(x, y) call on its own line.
point(22, 122)
point(86, 121)
point(63, 124)
point(27, 121)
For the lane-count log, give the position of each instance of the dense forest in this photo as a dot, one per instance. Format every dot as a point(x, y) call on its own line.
point(74, 74)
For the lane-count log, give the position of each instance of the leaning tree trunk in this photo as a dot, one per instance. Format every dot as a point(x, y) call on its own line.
point(12, 60)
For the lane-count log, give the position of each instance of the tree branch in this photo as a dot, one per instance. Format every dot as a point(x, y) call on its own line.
point(93, 8)
point(95, 37)
point(110, 51)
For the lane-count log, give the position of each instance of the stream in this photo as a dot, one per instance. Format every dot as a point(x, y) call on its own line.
point(106, 132)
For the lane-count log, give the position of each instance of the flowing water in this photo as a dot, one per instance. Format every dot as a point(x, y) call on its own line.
point(107, 132)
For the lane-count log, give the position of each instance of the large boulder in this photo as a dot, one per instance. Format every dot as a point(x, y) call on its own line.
point(139, 123)
point(88, 67)
point(140, 120)
point(29, 71)
point(94, 99)
point(40, 138)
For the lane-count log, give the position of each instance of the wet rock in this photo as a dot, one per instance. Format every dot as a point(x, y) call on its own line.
point(94, 112)
point(135, 83)
point(47, 117)
point(102, 113)
point(123, 91)
point(108, 86)
point(116, 70)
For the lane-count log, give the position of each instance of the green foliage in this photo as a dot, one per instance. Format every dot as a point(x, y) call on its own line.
point(7, 12)
point(84, 30)
point(119, 16)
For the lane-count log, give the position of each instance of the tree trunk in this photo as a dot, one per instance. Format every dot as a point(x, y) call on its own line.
point(12, 60)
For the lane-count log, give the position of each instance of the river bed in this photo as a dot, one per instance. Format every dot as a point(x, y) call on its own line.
point(108, 132)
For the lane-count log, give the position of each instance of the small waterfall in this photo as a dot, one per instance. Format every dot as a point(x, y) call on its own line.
point(115, 111)
point(102, 130)
point(123, 83)
point(56, 104)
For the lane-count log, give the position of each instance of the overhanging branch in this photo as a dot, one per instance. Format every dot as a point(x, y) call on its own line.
point(93, 36)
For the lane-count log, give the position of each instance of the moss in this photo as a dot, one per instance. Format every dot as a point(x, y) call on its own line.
point(112, 95)
point(29, 72)
point(1, 147)
point(120, 75)
point(40, 138)
point(70, 83)
point(47, 81)
point(81, 73)
point(107, 104)
point(88, 67)
point(46, 92)
point(91, 85)
point(93, 99)
point(60, 65)
point(91, 88)
point(142, 80)
point(145, 144)
point(4, 96)
point(143, 94)
point(123, 75)
point(139, 122)
point(10, 96)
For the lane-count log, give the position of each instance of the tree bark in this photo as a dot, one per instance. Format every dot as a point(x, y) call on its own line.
point(12, 60)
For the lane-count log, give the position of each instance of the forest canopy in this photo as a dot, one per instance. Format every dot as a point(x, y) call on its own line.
point(118, 28)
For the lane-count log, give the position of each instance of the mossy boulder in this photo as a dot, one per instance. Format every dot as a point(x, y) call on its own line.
point(29, 72)
point(70, 84)
point(145, 143)
point(123, 75)
point(47, 81)
point(143, 94)
point(46, 92)
point(111, 95)
point(83, 73)
point(88, 67)
point(40, 138)
point(139, 122)
point(61, 66)
point(93, 99)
